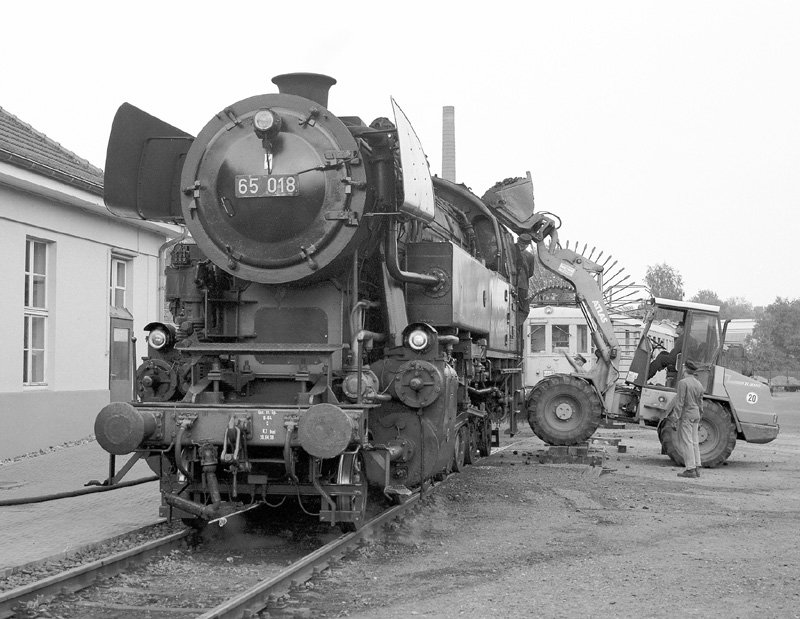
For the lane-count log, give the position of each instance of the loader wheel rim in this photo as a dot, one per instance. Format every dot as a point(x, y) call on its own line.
point(704, 432)
point(564, 411)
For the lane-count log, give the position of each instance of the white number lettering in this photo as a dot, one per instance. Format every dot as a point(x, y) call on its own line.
point(290, 185)
point(242, 185)
point(253, 184)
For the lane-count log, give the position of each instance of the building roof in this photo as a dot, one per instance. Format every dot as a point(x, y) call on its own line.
point(21, 145)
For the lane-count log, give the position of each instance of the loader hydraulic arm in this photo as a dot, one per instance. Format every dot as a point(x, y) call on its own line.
point(579, 272)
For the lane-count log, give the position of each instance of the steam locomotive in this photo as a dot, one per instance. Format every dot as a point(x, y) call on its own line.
point(341, 320)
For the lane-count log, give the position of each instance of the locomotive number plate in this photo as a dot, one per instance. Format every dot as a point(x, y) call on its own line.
point(261, 186)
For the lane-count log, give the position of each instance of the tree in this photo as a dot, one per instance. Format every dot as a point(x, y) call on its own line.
point(737, 307)
point(777, 331)
point(664, 281)
point(709, 297)
point(732, 307)
point(766, 358)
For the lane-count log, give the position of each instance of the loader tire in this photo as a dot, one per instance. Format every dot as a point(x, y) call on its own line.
point(717, 437)
point(564, 410)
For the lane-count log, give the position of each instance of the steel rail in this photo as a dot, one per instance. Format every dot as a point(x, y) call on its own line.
point(85, 575)
point(255, 599)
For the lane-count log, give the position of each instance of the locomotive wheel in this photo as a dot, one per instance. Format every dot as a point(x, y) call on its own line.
point(351, 471)
point(717, 434)
point(484, 433)
point(460, 449)
point(564, 410)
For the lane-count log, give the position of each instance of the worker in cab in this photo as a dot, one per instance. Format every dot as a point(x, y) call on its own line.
point(667, 360)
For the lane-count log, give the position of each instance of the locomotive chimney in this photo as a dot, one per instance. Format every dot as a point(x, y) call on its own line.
point(449, 143)
point(312, 86)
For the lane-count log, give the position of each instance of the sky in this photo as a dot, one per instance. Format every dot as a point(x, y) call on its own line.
point(659, 132)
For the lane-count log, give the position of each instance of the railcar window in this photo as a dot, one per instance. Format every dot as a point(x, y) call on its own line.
point(583, 339)
point(560, 338)
point(538, 343)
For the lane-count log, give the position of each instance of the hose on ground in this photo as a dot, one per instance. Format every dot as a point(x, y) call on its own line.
point(72, 493)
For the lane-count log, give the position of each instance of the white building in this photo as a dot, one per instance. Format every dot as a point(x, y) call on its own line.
point(79, 283)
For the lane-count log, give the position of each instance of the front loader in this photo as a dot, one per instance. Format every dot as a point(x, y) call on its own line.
point(566, 409)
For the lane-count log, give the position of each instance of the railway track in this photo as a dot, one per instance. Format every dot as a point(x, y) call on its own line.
point(25, 601)
point(11, 602)
point(258, 598)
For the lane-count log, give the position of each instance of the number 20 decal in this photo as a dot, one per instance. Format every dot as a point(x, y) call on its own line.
point(752, 398)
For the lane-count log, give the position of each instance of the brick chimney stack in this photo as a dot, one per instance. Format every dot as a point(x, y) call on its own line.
point(449, 143)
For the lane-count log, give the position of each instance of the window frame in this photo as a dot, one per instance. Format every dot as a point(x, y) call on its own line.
point(536, 328)
point(113, 285)
point(32, 314)
point(559, 333)
point(582, 339)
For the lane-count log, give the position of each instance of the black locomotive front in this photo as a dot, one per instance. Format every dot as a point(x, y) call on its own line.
point(337, 319)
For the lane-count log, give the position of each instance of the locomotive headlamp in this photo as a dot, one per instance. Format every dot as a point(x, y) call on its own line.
point(418, 340)
point(266, 123)
point(419, 336)
point(157, 339)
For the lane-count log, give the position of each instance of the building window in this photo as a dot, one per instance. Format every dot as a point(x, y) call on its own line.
point(35, 313)
point(119, 283)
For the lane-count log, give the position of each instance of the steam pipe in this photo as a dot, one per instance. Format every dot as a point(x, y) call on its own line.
point(206, 512)
point(185, 424)
point(481, 392)
point(393, 262)
point(448, 340)
point(209, 461)
point(366, 336)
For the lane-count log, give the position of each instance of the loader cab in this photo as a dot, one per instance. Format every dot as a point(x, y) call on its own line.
point(701, 342)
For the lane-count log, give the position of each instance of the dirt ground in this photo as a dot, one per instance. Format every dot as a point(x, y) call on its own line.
point(513, 538)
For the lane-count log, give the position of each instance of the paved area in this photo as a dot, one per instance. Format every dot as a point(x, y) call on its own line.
point(33, 532)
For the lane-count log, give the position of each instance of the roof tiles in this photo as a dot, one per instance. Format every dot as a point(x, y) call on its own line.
point(21, 145)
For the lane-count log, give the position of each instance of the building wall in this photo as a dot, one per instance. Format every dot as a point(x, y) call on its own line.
point(81, 242)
